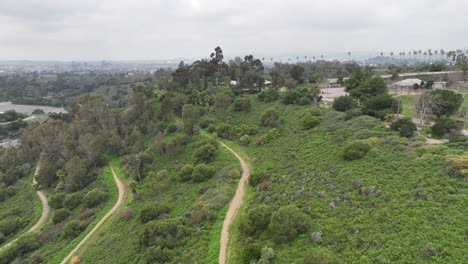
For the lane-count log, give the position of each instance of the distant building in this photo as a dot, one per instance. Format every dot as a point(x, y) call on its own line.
point(406, 86)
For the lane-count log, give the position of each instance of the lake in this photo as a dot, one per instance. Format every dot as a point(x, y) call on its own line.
point(28, 109)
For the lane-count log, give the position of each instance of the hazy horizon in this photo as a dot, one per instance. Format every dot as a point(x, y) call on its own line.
point(86, 30)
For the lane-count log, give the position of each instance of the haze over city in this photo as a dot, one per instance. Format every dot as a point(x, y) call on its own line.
point(148, 30)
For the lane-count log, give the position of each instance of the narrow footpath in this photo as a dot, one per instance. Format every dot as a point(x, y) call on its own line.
point(234, 206)
point(121, 187)
point(45, 208)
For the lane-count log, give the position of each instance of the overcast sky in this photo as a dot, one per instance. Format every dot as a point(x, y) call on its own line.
point(155, 29)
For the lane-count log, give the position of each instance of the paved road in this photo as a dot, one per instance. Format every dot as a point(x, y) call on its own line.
point(117, 204)
point(234, 206)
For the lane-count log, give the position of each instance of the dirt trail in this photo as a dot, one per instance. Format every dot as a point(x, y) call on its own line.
point(234, 206)
point(45, 208)
point(121, 187)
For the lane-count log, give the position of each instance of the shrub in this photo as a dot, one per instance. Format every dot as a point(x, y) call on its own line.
point(167, 233)
point(72, 229)
point(206, 122)
point(270, 118)
point(256, 178)
point(245, 140)
point(251, 253)
point(72, 200)
point(224, 131)
point(185, 173)
point(287, 222)
point(309, 121)
point(405, 126)
point(291, 97)
point(60, 215)
point(356, 149)
point(56, 201)
point(241, 104)
point(343, 103)
point(204, 154)
point(9, 225)
point(269, 95)
point(271, 135)
point(380, 106)
point(94, 198)
point(202, 172)
point(352, 113)
point(211, 128)
point(304, 100)
point(443, 126)
point(320, 256)
point(153, 211)
point(256, 220)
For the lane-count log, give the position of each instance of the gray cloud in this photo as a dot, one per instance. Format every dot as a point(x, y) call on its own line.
point(146, 29)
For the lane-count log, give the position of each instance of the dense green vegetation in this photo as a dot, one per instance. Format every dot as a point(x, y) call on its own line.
point(326, 186)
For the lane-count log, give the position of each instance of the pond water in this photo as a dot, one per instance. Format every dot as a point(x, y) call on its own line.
point(28, 109)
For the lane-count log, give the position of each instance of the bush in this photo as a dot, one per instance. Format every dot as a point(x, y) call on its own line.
point(269, 95)
point(72, 200)
point(356, 150)
point(241, 104)
point(202, 172)
point(270, 118)
point(256, 220)
point(185, 173)
point(94, 198)
point(153, 211)
point(56, 201)
point(211, 128)
point(60, 215)
point(343, 103)
point(251, 253)
point(287, 222)
point(271, 135)
point(256, 178)
point(291, 97)
point(167, 233)
point(72, 229)
point(304, 100)
point(353, 113)
point(309, 121)
point(206, 122)
point(380, 106)
point(9, 225)
point(320, 256)
point(245, 140)
point(224, 131)
point(204, 154)
point(405, 126)
point(443, 126)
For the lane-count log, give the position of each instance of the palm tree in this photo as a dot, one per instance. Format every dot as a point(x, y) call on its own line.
point(349, 55)
point(313, 58)
point(442, 53)
point(297, 59)
point(289, 59)
point(391, 55)
point(305, 58)
point(435, 52)
point(425, 56)
point(321, 56)
point(415, 52)
point(404, 54)
point(420, 51)
point(271, 60)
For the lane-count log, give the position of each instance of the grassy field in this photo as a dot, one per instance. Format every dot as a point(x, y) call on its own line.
point(161, 184)
point(417, 217)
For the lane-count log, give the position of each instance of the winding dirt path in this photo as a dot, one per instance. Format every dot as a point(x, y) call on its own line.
point(234, 206)
point(121, 187)
point(45, 208)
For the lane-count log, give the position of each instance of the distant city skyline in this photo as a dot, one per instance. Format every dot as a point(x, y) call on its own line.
point(84, 30)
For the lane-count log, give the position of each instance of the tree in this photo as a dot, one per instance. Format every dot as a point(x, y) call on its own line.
point(202, 172)
point(343, 103)
point(256, 220)
point(94, 198)
point(287, 222)
point(297, 72)
point(425, 105)
point(277, 79)
point(369, 87)
point(448, 103)
point(380, 106)
point(242, 104)
point(204, 154)
point(405, 126)
point(77, 174)
point(190, 117)
point(356, 78)
point(443, 126)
